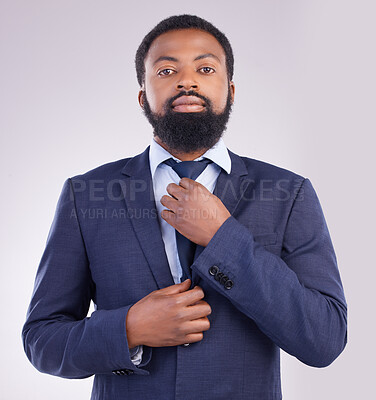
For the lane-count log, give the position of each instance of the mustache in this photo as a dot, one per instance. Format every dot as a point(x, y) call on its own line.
point(207, 101)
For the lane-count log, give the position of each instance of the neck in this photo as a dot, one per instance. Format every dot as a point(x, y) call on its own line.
point(182, 156)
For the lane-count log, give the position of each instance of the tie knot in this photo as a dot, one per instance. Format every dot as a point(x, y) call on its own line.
point(188, 169)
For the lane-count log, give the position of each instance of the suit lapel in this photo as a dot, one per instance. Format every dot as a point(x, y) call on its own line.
point(231, 187)
point(139, 198)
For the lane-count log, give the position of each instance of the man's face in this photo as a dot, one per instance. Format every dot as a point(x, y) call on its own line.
point(186, 94)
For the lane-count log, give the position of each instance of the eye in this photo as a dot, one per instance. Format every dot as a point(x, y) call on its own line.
point(165, 72)
point(207, 70)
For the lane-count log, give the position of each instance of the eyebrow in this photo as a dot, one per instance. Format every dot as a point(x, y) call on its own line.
point(206, 56)
point(200, 57)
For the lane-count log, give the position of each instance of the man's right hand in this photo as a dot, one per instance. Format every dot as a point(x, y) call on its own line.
point(168, 317)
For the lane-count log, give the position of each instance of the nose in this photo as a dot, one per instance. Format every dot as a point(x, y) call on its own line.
point(187, 82)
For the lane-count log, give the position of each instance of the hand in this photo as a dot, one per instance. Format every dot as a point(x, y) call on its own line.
point(168, 317)
point(193, 211)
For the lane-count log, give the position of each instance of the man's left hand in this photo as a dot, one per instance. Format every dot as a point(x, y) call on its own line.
point(193, 210)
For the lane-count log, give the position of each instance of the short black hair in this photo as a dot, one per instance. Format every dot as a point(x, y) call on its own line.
point(177, 22)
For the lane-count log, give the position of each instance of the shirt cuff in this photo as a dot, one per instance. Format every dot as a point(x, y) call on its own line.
point(136, 354)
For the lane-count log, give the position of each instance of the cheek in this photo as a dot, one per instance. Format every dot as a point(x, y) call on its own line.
point(156, 96)
point(153, 101)
point(219, 97)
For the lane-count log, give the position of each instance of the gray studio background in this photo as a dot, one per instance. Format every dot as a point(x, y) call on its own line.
point(305, 94)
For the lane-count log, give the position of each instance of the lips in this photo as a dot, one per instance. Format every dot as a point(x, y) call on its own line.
point(188, 104)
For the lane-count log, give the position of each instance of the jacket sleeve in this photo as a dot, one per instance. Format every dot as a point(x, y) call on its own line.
point(58, 337)
point(297, 299)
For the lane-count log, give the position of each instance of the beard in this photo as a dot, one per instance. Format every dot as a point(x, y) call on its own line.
point(188, 132)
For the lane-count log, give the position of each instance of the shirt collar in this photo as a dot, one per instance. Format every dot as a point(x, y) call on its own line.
point(218, 154)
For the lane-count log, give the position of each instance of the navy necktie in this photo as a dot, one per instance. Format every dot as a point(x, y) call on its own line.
point(186, 248)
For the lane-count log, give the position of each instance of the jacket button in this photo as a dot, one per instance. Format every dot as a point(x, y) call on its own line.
point(229, 284)
point(218, 276)
point(128, 371)
point(213, 270)
point(121, 372)
point(223, 280)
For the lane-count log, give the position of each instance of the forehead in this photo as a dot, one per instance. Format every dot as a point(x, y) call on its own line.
point(185, 43)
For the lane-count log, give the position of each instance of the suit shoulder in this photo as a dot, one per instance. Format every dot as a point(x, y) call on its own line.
point(269, 171)
point(104, 171)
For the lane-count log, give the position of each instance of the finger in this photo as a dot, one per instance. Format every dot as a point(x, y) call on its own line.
point(198, 312)
point(198, 325)
point(169, 217)
point(177, 288)
point(191, 296)
point(174, 190)
point(187, 183)
point(169, 202)
point(200, 302)
point(193, 337)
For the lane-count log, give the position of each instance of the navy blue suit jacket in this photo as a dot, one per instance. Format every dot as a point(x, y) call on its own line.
point(269, 274)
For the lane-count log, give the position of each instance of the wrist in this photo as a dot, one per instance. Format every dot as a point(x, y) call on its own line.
point(131, 331)
point(215, 229)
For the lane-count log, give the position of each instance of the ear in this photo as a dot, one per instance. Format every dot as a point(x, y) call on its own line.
point(232, 90)
point(141, 97)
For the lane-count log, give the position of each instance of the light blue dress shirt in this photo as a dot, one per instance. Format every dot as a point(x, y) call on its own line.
point(162, 175)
